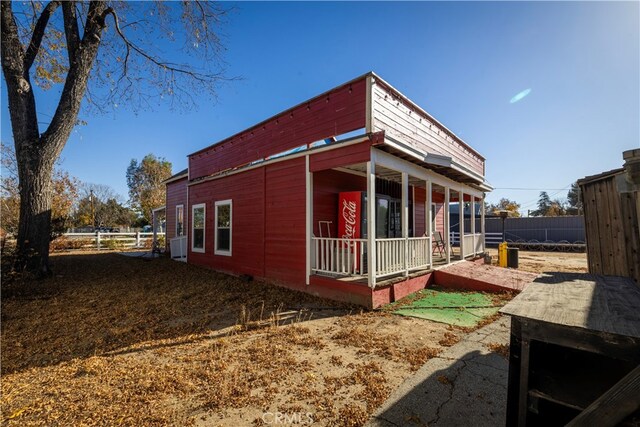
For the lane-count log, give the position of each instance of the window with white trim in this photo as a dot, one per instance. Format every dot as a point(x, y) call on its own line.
point(179, 220)
point(198, 216)
point(223, 227)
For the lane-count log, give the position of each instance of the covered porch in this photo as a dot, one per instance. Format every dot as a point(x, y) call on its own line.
point(402, 233)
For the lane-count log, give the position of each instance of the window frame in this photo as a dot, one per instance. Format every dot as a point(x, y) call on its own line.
point(204, 227)
point(180, 206)
point(217, 251)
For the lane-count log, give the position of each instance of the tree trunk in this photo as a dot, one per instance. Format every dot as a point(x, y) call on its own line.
point(36, 153)
point(34, 230)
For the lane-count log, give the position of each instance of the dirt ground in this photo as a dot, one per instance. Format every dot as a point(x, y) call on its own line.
point(540, 262)
point(112, 340)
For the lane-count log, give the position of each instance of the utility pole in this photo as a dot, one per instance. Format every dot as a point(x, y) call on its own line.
point(93, 211)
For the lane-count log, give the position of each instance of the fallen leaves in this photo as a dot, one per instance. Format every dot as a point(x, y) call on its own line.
point(112, 340)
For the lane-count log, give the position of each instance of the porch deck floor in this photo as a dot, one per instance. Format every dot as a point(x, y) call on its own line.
point(470, 275)
point(438, 262)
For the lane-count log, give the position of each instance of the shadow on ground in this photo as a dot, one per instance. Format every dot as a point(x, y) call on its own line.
point(107, 303)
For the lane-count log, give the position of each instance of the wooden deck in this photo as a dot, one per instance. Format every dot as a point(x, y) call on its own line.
point(600, 303)
point(575, 351)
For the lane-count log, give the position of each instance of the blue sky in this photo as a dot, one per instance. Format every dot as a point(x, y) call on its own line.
point(462, 62)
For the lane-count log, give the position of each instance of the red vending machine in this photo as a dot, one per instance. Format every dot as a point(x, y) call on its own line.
point(351, 215)
point(351, 222)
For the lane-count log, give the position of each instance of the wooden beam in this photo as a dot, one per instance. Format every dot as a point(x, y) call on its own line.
point(428, 220)
point(447, 229)
point(371, 220)
point(461, 222)
point(309, 219)
point(620, 401)
point(405, 221)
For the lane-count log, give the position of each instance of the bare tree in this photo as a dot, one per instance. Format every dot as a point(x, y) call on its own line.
point(107, 52)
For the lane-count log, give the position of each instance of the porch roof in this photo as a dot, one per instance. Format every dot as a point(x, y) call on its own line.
point(441, 164)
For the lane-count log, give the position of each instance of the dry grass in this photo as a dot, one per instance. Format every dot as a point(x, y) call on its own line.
point(111, 340)
point(501, 349)
point(355, 333)
point(449, 339)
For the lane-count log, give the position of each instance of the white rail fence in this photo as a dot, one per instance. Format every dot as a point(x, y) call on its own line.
point(113, 240)
point(348, 257)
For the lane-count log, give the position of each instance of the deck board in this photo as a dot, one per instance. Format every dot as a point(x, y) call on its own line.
point(599, 303)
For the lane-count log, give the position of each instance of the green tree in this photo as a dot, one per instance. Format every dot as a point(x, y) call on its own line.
point(574, 200)
point(145, 181)
point(505, 205)
point(108, 50)
point(556, 208)
point(99, 205)
point(544, 204)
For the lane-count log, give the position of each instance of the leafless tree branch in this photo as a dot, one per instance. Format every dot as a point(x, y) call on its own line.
point(167, 66)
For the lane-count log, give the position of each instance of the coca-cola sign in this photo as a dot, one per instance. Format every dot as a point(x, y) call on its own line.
point(349, 215)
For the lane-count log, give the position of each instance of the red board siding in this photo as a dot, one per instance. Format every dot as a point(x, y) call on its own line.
point(349, 155)
point(176, 195)
point(246, 191)
point(285, 219)
point(326, 186)
point(340, 111)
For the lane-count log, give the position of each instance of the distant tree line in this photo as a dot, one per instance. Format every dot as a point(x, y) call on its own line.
point(77, 204)
point(545, 206)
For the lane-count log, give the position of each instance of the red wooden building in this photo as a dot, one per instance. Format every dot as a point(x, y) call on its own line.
point(286, 200)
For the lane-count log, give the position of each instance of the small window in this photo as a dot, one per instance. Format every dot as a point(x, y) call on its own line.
point(198, 214)
point(223, 227)
point(179, 220)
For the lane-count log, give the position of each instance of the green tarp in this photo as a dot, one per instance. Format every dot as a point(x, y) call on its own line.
point(454, 308)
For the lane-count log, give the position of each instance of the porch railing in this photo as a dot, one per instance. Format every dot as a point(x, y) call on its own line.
point(338, 256)
point(389, 256)
point(472, 244)
point(348, 257)
point(419, 253)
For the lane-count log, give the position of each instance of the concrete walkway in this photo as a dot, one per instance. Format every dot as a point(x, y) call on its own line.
point(465, 385)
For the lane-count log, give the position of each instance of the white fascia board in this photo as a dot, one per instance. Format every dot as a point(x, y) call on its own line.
point(390, 161)
point(432, 158)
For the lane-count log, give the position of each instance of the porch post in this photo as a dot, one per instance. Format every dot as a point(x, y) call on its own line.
point(482, 226)
point(405, 221)
point(309, 222)
point(428, 219)
point(371, 221)
point(472, 204)
point(461, 221)
point(447, 229)
point(154, 224)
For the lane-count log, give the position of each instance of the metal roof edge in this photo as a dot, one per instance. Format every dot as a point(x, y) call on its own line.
point(180, 175)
